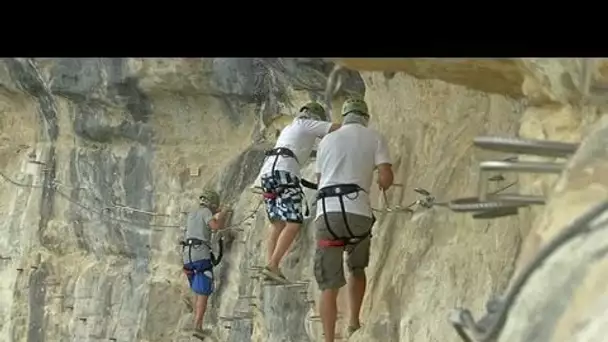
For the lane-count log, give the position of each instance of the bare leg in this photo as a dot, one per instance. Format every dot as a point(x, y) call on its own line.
point(356, 291)
point(286, 237)
point(201, 307)
point(329, 312)
point(276, 228)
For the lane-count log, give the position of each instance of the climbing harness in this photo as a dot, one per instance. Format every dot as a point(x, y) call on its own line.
point(280, 152)
point(340, 191)
point(286, 153)
point(194, 243)
point(308, 184)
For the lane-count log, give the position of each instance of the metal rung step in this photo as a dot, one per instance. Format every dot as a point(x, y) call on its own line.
point(494, 202)
point(517, 198)
point(532, 167)
point(544, 148)
point(495, 213)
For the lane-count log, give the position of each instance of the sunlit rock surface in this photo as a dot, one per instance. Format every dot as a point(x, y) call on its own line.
point(103, 156)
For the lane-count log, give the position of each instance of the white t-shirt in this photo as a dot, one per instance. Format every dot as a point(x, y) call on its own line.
point(299, 136)
point(350, 156)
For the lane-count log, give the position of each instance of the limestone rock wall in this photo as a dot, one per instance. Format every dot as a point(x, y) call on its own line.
point(100, 157)
point(423, 265)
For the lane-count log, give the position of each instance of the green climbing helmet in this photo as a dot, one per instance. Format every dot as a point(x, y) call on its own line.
point(355, 105)
point(315, 110)
point(210, 198)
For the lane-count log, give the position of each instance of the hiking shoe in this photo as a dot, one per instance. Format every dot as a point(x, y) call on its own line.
point(351, 330)
point(199, 333)
point(274, 276)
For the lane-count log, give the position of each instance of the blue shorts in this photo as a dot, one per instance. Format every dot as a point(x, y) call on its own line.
point(286, 203)
point(201, 282)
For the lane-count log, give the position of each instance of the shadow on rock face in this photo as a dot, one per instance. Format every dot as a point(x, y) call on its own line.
point(91, 122)
point(241, 77)
point(267, 80)
point(241, 172)
point(76, 78)
point(79, 78)
point(311, 74)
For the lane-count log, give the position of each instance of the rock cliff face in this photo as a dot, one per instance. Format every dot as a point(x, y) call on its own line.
point(101, 157)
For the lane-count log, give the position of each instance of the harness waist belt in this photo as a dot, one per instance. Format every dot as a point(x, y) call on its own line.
point(281, 151)
point(269, 195)
point(309, 184)
point(193, 242)
point(341, 242)
point(276, 192)
point(191, 271)
point(338, 190)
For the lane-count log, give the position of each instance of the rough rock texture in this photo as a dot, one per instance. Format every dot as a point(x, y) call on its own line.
point(573, 308)
point(500, 76)
point(102, 156)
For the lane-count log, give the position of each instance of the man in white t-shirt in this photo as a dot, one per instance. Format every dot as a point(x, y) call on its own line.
point(281, 181)
point(346, 160)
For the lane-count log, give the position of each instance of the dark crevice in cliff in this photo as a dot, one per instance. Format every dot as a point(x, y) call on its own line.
point(139, 191)
point(266, 80)
point(233, 180)
point(26, 74)
point(91, 123)
point(241, 173)
point(221, 273)
point(94, 85)
point(97, 173)
point(37, 303)
point(138, 102)
point(311, 74)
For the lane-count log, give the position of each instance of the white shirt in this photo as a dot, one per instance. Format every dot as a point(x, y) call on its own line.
point(349, 156)
point(299, 136)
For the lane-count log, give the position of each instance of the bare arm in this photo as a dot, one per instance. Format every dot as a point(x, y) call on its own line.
point(383, 164)
point(322, 128)
point(334, 126)
point(219, 220)
point(385, 176)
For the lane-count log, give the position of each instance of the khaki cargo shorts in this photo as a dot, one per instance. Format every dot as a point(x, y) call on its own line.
point(329, 272)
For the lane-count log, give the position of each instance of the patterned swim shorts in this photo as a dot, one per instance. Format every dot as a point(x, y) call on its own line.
point(285, 199)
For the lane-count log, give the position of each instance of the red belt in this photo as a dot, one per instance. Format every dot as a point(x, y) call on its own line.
point(269, 195)
point(331, 243)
